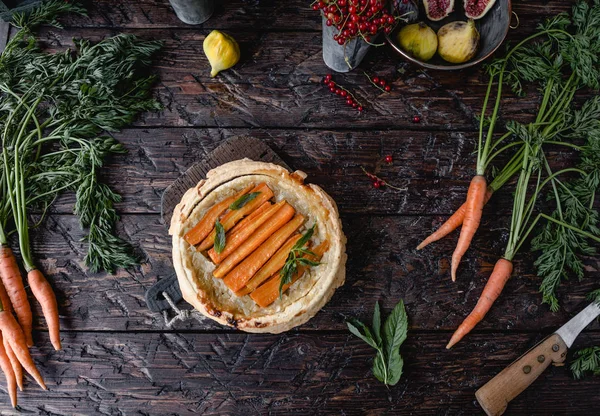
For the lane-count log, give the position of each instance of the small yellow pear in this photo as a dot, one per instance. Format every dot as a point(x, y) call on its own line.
point(222, 51)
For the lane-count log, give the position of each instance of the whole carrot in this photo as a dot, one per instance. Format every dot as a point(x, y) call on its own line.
point(11, 382)
point(452, 223)
point(16, 339)
point(44, 294)
point(13, 282)
point(473, 211)
point(491, 291)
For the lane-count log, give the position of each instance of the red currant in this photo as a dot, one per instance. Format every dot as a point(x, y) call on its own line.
point(360, 108)
point(389, 159)
point(376, 80)
point(416, 119)
point(329, 22)
point(382, 82)
point(387, 88)
point(331, 84)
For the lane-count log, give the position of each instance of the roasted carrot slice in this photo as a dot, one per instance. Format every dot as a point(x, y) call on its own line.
point(234, 216)
point(278, 220)
point(238, 277)
point(274, 264)
point(243, 231)
point(268, 292)
point(206, 224)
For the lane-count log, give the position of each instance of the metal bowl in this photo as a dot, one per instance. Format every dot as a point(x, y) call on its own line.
point(492, 28)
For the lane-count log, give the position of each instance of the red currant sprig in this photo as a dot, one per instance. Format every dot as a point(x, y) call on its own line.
point(356, 18)
point(378, 182)
point(342, 92)
point(379, 83)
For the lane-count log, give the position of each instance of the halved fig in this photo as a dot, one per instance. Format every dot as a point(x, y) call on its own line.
point(438, 9)
point(476, 9)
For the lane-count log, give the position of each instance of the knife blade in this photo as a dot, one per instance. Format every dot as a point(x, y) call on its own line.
point(495, 395)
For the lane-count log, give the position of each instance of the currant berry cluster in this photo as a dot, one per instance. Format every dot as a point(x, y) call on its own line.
point(356, 18)
point(379, 83)
point(342, 92)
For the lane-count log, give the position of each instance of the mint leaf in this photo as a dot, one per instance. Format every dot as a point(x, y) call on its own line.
point(220, 238)
point(243, 200)
point(377, 323)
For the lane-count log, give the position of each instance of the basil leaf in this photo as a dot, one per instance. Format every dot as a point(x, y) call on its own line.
point(243, 200)
point(220, 238)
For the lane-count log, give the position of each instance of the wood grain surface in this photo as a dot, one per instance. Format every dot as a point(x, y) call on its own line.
point(120, 359)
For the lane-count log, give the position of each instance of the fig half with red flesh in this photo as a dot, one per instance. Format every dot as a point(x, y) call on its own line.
point(438, 9)
point(476, 9)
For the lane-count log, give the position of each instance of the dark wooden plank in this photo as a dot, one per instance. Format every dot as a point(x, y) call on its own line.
point(278, 84)
point(263, 14)
point(435, 167)
point(383, 265)
point(216, 374)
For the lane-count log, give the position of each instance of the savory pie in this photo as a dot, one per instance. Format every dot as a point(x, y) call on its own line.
point(256, 248)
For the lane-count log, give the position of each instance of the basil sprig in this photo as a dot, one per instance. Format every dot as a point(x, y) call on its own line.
point(387, 366)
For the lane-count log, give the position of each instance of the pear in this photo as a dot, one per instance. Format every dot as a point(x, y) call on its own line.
point(222, 51)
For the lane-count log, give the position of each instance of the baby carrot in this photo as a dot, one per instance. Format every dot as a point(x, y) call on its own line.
point(16, 339)
point(473, 211)
point(14, 362)
point(11, 382)
point(13, 282)
point(206, 224)
point(231, 218)
point(278, 220)
point(238, 277)
point(274, 264)
point(241, 232)
point(44, 294)
point(268, 292)
point(491, 291)
point(452, 223)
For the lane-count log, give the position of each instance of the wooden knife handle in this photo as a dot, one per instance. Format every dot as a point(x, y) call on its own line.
point(495, 395)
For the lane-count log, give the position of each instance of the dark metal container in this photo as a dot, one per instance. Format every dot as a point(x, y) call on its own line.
point(193, 12)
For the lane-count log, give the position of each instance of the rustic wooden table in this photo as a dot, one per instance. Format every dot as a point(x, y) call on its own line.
point(119, 358)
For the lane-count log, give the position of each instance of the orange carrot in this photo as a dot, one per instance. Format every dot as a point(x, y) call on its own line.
point(268, 292)
point(206, 224)
point(13, 282)
point(238, 277)
point(234, 216)
point(473, 210)
point(14, 362)
point(278, 220)
point(271, 267)
point(491, 291)
point(16, 339)
point(246, 229)
point(452, 223)
point(11, 382)
point(44, 294)
point(250, 218)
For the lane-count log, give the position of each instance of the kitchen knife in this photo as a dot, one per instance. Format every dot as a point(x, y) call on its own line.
point(495, 395)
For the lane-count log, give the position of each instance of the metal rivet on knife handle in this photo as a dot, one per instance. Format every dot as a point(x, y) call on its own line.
point(527, 369)
point(555, 348)
point(541, 359)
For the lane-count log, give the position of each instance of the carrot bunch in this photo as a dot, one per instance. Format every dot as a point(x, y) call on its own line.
point(257, 239)
point(557, 123)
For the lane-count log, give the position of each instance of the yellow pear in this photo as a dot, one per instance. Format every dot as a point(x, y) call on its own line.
point(222, 51)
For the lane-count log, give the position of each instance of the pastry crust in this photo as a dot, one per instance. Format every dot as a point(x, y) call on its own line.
point(211, 297)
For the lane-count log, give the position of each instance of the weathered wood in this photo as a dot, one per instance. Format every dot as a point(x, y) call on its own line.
point(278, 83)
point(216, 374)
point(263, 14)
point(435, 167)
point(382, 265)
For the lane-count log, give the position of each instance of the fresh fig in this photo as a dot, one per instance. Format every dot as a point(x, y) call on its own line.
point(458, 41)
point(476, 9)
point(438, 9)
point(419, 40)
